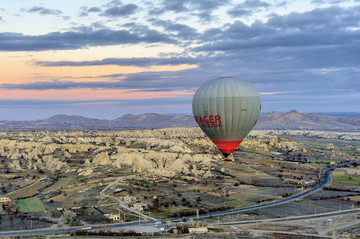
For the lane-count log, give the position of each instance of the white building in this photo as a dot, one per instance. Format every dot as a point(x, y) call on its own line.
point(198, 229)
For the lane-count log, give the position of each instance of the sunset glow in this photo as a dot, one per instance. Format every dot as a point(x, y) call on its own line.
point(298, 54)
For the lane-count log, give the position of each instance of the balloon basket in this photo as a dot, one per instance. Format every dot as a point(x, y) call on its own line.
point(226, 160)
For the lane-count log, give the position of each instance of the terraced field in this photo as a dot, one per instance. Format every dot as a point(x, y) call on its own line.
point(28, 191)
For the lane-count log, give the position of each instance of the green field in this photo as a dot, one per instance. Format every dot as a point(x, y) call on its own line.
point(30, 205)
point(160, 214)
point(341, 178)
point(28, 191)
point(235, 203)
point(61, 183)
point(320, 161)
point(311, 142)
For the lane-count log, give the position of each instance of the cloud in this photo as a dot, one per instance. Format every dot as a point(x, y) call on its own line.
point(98, 109)
point(85, 11)
point(122, 11)
point(312, 50)
point(44, 11)
point(10, 104)
point(146, 81)
point(112, 9)
point(254, 4)
point(322, 37)
point(171, 5)
point(78, 39)
point(202, 9)
point(94, 9)
point(238, 12)
point(140, 62)
point(328, 1)
point(182, 31)
point(247, 8)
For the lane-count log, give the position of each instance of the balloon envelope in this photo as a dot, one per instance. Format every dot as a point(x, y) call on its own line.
point(226, 109)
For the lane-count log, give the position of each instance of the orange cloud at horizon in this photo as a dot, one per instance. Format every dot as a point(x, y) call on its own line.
point(88, 94)
point(20, 68)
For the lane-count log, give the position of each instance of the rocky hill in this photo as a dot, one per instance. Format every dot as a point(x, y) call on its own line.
point(292, 120)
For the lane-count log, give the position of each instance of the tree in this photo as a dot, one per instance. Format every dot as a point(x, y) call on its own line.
point(156, 204)
point(198, 199)
point(13, 207)
point(69, 216)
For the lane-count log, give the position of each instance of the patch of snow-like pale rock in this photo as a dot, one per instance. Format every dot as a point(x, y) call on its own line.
point(67, 154)
point(122, 159)
point(14, 155)
point(87, 162)
point(15, 164)
point(47, 140)
point(86, 172)
point(101, 159)
point(140, 164)
point(49, 149)
point(177, 148)
point(179, 165)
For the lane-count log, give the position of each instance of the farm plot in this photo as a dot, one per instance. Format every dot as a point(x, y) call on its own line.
point(28, 191)
point(30, 205)
point(61, 183)
point(343, 178)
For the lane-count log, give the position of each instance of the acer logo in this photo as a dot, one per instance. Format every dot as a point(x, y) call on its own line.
point(208, 121)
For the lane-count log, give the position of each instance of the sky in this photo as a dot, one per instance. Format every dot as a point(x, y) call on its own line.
point(104, 59)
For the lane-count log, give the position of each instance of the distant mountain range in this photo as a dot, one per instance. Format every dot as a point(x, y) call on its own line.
point(275, 120)
point(295, 120)
point(74, 122)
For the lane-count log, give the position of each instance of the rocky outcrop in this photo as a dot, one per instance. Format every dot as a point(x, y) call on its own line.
point(15, 164)
point(165, 152)
point(101, 159)
point(86, 172)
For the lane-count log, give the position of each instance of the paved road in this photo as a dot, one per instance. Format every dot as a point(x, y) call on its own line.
point(299, 233)
point(325, 214)
point(325, 180)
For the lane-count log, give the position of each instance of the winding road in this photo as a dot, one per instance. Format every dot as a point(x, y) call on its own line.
point(325, 180)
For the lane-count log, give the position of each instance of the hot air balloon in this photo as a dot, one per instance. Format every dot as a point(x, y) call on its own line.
point(226, 109)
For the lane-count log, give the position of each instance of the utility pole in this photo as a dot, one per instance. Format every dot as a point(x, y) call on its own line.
point(334, 232)
point(119, 215)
